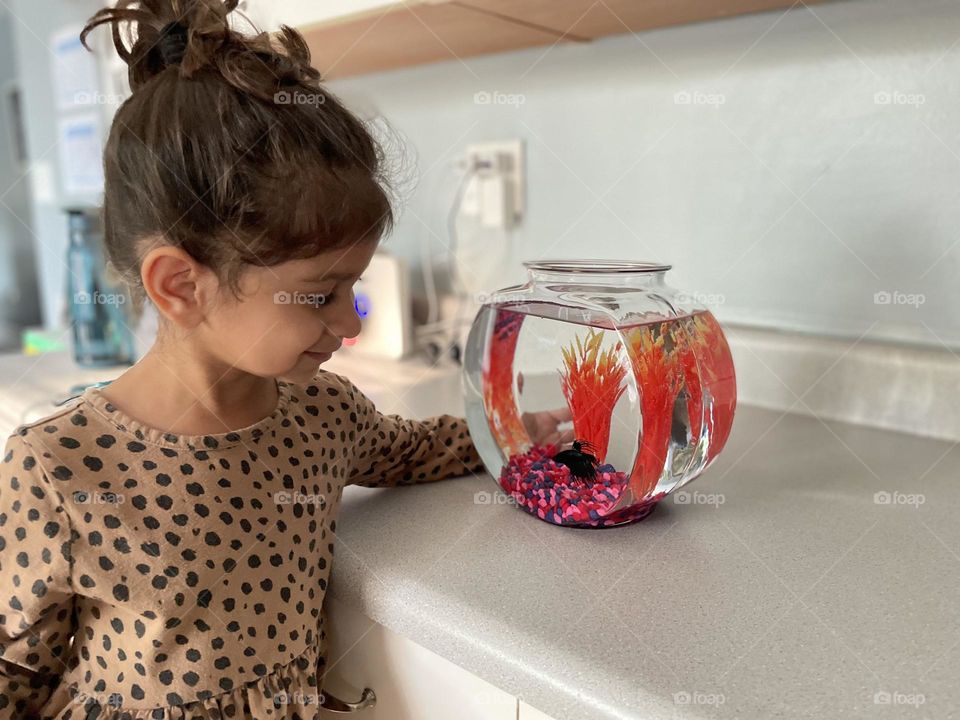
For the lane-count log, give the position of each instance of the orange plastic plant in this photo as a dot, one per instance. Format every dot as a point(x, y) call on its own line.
point(687, 343)
point(498, 396)
point(718, 377)
point(659, 378)
point(592, 382)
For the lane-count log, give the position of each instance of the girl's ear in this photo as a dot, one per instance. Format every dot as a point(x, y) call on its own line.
point(182, 289)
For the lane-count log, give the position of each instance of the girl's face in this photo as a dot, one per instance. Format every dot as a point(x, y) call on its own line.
point(289, 318)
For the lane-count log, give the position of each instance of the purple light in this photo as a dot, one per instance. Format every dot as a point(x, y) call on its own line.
point(362, 305)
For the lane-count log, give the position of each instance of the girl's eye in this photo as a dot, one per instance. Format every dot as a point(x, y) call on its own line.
point(327, 298)
point(318, 300)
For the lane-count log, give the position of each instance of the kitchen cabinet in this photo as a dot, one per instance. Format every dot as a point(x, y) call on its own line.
point(270, 14)
point(410, 682)
point(415, 33)
point(588, 19)
point(386, 36)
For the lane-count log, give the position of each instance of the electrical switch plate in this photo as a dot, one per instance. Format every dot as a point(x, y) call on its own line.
point(503, 161)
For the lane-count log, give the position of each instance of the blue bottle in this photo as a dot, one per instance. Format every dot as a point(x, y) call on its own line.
point(98, 310)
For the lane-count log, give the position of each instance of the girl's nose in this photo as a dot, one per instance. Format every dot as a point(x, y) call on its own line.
point(348, 322)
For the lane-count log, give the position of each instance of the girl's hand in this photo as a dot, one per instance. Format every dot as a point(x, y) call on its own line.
point(544, 427)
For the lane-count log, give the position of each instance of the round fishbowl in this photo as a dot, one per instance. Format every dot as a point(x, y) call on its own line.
point(595, 389)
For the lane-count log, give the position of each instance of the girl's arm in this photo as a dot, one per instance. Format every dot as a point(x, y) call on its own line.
point(36, 595)
point(390, 450)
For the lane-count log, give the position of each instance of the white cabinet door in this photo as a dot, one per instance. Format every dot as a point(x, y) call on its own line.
point(411, 682)
point(528, 712)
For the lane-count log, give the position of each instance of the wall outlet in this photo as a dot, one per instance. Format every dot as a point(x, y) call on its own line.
point(496, 193)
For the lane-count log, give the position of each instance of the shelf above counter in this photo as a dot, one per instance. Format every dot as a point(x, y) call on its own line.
point(415, 32)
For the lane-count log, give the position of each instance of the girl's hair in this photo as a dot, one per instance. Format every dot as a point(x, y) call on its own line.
point(228, 146)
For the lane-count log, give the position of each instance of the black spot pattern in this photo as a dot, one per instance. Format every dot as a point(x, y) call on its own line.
point(189, 572)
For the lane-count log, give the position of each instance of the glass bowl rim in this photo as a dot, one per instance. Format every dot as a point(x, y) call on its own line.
point(599, 267)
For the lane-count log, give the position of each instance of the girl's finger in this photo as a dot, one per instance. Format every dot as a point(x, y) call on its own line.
point(561, 414)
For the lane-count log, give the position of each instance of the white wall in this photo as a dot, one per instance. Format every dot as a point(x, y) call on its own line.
point(795, 200)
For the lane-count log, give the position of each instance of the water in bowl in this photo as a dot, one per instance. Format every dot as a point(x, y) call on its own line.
point(653, 397)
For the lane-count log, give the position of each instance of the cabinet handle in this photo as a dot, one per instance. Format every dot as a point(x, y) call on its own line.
point(331, 703)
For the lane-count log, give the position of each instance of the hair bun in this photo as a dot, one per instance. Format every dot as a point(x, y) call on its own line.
point(153, 35)
point(173, 42)
point(194, 35)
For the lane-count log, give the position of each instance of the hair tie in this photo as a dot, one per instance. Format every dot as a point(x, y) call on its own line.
point(173, 42)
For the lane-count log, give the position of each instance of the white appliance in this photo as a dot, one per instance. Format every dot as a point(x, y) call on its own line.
point(383, 304)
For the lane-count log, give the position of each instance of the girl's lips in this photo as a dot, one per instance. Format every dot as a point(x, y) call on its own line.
point(319, 357)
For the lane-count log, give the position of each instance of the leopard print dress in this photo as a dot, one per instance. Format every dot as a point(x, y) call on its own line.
point(151, 575)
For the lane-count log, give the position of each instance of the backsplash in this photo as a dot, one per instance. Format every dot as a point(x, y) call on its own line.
point(906, 389)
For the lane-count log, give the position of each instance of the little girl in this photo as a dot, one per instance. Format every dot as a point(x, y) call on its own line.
point(166, 541)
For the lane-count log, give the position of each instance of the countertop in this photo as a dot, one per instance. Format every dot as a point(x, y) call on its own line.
point(814, 571)
point(30, 384)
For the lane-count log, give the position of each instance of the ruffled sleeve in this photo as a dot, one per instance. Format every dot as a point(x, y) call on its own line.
point(36, 597)
point(392, 450)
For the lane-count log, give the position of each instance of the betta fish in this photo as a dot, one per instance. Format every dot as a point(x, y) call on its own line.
point(582, 464)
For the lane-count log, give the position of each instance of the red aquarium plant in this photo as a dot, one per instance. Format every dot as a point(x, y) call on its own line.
point(498, 397)
point(719, 380)
point(687, 346)
point(659, 375)
point(592, 383)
